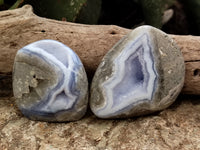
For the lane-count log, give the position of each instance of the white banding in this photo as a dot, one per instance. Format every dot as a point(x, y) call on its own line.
point(144, 92)
point(53, 106)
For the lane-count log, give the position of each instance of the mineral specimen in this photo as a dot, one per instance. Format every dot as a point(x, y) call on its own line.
point(143, 73)
point(49, 82)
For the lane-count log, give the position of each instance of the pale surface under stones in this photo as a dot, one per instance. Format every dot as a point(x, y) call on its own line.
point(49, 82)
point(175, 128)
point(143, 73)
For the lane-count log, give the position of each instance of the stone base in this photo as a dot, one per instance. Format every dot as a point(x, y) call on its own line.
point(177, 127)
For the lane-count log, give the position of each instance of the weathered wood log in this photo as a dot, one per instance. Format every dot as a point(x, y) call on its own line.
point(21, 26)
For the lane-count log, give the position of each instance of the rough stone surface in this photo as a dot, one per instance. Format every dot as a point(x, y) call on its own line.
point(175, 128)
point(143, 73)
point(49, 82)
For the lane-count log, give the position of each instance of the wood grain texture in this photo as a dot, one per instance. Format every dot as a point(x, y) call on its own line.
point(21, 26)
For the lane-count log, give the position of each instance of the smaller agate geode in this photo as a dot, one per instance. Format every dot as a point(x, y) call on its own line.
point(143, 73)
point(49, 82)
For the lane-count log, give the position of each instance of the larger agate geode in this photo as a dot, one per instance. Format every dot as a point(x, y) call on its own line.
point(143, 73)
point(49, 82)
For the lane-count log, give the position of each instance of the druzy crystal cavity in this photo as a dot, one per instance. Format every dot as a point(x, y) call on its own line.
point(142, 73)
point(49, 82)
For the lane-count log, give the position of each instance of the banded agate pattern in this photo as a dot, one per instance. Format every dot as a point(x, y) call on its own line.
point(134, 76)
point(49, 82)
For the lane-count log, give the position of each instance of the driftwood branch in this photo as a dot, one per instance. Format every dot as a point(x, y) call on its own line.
point(21, 26)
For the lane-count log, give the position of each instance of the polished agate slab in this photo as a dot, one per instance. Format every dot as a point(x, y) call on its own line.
point(143, 73)
point(49, 82)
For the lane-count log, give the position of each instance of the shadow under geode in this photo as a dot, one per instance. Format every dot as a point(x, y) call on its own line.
point(194, 99)
point(5, 84)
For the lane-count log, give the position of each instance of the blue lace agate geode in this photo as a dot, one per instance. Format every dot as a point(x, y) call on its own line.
point(143, 73)
point(49, 82)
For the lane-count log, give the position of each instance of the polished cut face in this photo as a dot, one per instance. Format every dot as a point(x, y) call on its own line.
point(129, 80)
point(135, 77)
point(49, 82)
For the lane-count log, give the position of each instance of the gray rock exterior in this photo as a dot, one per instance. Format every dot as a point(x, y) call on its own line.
point(143, 73)
point(49, 82)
